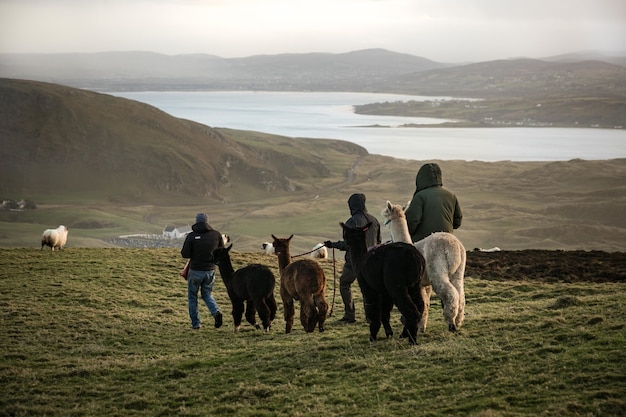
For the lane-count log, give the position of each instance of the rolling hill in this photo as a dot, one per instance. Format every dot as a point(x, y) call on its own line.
point(60, 140)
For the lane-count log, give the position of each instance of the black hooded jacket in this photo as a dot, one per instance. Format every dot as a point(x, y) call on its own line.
point(359, 218)
point(199, 246)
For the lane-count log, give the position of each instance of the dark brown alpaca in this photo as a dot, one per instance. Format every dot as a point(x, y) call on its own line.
point(387, 274)
point(302, 280)
point(252, 284)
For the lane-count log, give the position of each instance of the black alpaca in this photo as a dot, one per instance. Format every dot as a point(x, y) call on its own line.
point(388, 274)
point(253, 284)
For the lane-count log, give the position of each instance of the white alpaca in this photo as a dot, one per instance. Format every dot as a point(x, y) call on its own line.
point(319, 251)
point(445, 267)
point(55, 238)
point(268, 248)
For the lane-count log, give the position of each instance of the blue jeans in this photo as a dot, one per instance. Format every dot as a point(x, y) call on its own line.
point(200, 281)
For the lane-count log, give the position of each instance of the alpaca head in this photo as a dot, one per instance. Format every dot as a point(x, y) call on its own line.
point(355, 235)
point(221, 254)
point(392, 212)
point(281, 245)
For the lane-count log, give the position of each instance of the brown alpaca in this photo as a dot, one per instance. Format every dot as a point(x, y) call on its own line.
point(302, 280)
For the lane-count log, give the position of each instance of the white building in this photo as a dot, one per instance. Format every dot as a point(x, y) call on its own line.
point(173, 232)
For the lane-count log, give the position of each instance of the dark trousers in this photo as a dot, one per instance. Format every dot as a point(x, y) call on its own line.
point(346, 279)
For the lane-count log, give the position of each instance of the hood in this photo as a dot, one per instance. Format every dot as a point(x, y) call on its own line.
point(201, 227)
point(356, 203)
point(428, 176)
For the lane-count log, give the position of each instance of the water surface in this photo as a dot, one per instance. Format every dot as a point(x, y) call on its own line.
point(331, 116)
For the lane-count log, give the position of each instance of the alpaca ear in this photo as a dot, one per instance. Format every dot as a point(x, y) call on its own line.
point(289, 238)
point(230, 247)
point(274, 237)
point(388, 205)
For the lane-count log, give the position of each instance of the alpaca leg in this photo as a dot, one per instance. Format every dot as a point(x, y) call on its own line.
point(425, 295)
point(322, 310)
point(271, 303)
point(450, 298)
point(372, 312)
point(289, 311)
point(237, 314)
point(308, 314)
point(411, 314)
point(264, 313)
point(460, 316)
point(385, 314)
point(251, 313)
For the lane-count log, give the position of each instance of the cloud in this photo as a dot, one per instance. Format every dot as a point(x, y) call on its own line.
point(444, 30)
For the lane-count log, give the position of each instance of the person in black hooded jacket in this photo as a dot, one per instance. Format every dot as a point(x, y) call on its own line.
point(359, 218)
point(199, 246)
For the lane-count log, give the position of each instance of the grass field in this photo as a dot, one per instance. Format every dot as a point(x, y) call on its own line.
point(105, 332)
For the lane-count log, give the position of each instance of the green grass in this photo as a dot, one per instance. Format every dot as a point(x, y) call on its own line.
point(105, 332)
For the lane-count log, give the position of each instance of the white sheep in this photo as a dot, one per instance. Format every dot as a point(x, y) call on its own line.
point(55, 238)
point(319, 251)
point(268, 247)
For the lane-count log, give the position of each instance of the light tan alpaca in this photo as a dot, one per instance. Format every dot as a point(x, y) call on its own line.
point(445, 267)
point(395, 220)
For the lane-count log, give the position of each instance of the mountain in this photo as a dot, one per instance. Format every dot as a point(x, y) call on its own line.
point(589, 56)
point(519, 77)
point(352, 71)
point(586, 75)
point(58, 139)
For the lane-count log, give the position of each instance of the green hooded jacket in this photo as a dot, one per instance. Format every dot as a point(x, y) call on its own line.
point(433, 208)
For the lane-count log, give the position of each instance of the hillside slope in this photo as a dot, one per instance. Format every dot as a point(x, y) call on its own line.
point(56, 139)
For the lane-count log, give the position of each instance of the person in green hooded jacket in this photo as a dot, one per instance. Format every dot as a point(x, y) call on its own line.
point(433, 207)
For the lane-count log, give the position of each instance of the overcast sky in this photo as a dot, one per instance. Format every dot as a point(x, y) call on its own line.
point(441, 30)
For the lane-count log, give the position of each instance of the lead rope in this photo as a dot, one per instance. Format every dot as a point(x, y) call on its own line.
point(332, 304)
point(305, 253)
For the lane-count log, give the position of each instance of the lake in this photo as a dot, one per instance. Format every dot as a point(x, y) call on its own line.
point(331, 116)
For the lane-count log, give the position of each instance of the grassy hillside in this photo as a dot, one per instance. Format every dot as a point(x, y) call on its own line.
point(58, 142)
point(105, 167)
point(105, 332)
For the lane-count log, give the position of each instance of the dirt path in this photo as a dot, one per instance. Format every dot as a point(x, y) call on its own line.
point(350, 177)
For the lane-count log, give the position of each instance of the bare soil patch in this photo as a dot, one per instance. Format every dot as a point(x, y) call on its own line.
point(548, 266)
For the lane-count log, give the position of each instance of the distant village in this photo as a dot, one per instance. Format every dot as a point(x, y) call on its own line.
point(18, 205)
point(171, 237)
